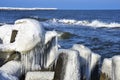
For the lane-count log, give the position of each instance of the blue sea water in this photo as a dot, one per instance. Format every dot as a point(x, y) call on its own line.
point(97, 29)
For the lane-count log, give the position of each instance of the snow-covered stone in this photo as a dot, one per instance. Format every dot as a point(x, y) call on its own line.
point(39, 75)
point(68, 65)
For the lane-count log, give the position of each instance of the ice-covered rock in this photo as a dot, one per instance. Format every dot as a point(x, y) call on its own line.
point(39, 75)
point(68, 65)
point(89, 62)
point(29, 41)
point(51, 48)
point(27, 36)
point(30, 33)
point(95, 66)
point(85, 60)
point(116, 68)
point(11, 70)
point(106, 70)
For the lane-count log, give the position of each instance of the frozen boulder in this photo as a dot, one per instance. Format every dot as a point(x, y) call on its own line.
point(106, 71)
point(26, 36)
point(11, 70)
point(116, 68)
point(39, 76)
point(67, 65)
point(95, 66)
point(85, 60)
point(89, 62)
point(51, 48)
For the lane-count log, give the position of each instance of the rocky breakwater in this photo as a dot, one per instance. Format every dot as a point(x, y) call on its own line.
point(33, 52)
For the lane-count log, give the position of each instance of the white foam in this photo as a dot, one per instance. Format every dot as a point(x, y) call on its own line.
point(93, 23)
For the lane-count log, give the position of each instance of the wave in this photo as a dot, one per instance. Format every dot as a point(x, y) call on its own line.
point(93, 23)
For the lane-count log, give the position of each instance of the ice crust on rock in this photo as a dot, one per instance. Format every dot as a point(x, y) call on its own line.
point(11, 70)
point(89, 61)
point(72, 65)
point(116, 68)
point(38, 75)
point(51, 48)
point(107, 68)
point(85, 59)
point(31, 41)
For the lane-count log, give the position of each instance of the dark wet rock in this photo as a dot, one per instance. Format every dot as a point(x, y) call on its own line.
point(66, 35)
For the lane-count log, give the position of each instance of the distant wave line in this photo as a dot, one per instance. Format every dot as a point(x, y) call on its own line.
point(93, 23)
point(16, 8)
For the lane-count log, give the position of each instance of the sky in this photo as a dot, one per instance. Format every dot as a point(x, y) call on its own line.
point(63, 4)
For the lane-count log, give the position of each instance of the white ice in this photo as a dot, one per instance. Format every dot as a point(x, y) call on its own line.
point(107, 67)
point(72, 70)
point(10, 71)
point(116, 68)
point(38, 75)
point(85, 55)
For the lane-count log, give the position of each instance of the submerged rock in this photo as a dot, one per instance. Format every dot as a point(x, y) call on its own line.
point(66, 35)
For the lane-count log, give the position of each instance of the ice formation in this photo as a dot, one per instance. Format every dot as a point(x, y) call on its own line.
point(106, 71)
point(85, 55)
point(68, 65)
point(32, 42)
point(38, 75)
point(11, 70)
point(89, 62)
point(116, 68)
point(51, 47)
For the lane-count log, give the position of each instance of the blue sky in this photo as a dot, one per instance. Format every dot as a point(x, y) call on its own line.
point(63, 4)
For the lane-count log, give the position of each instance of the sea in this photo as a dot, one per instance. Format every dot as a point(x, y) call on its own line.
point(99, 30)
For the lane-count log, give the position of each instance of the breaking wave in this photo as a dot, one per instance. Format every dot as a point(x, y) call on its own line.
point(93, 23)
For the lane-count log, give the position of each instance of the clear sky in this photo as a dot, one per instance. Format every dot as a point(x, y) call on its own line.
point(63, 4)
